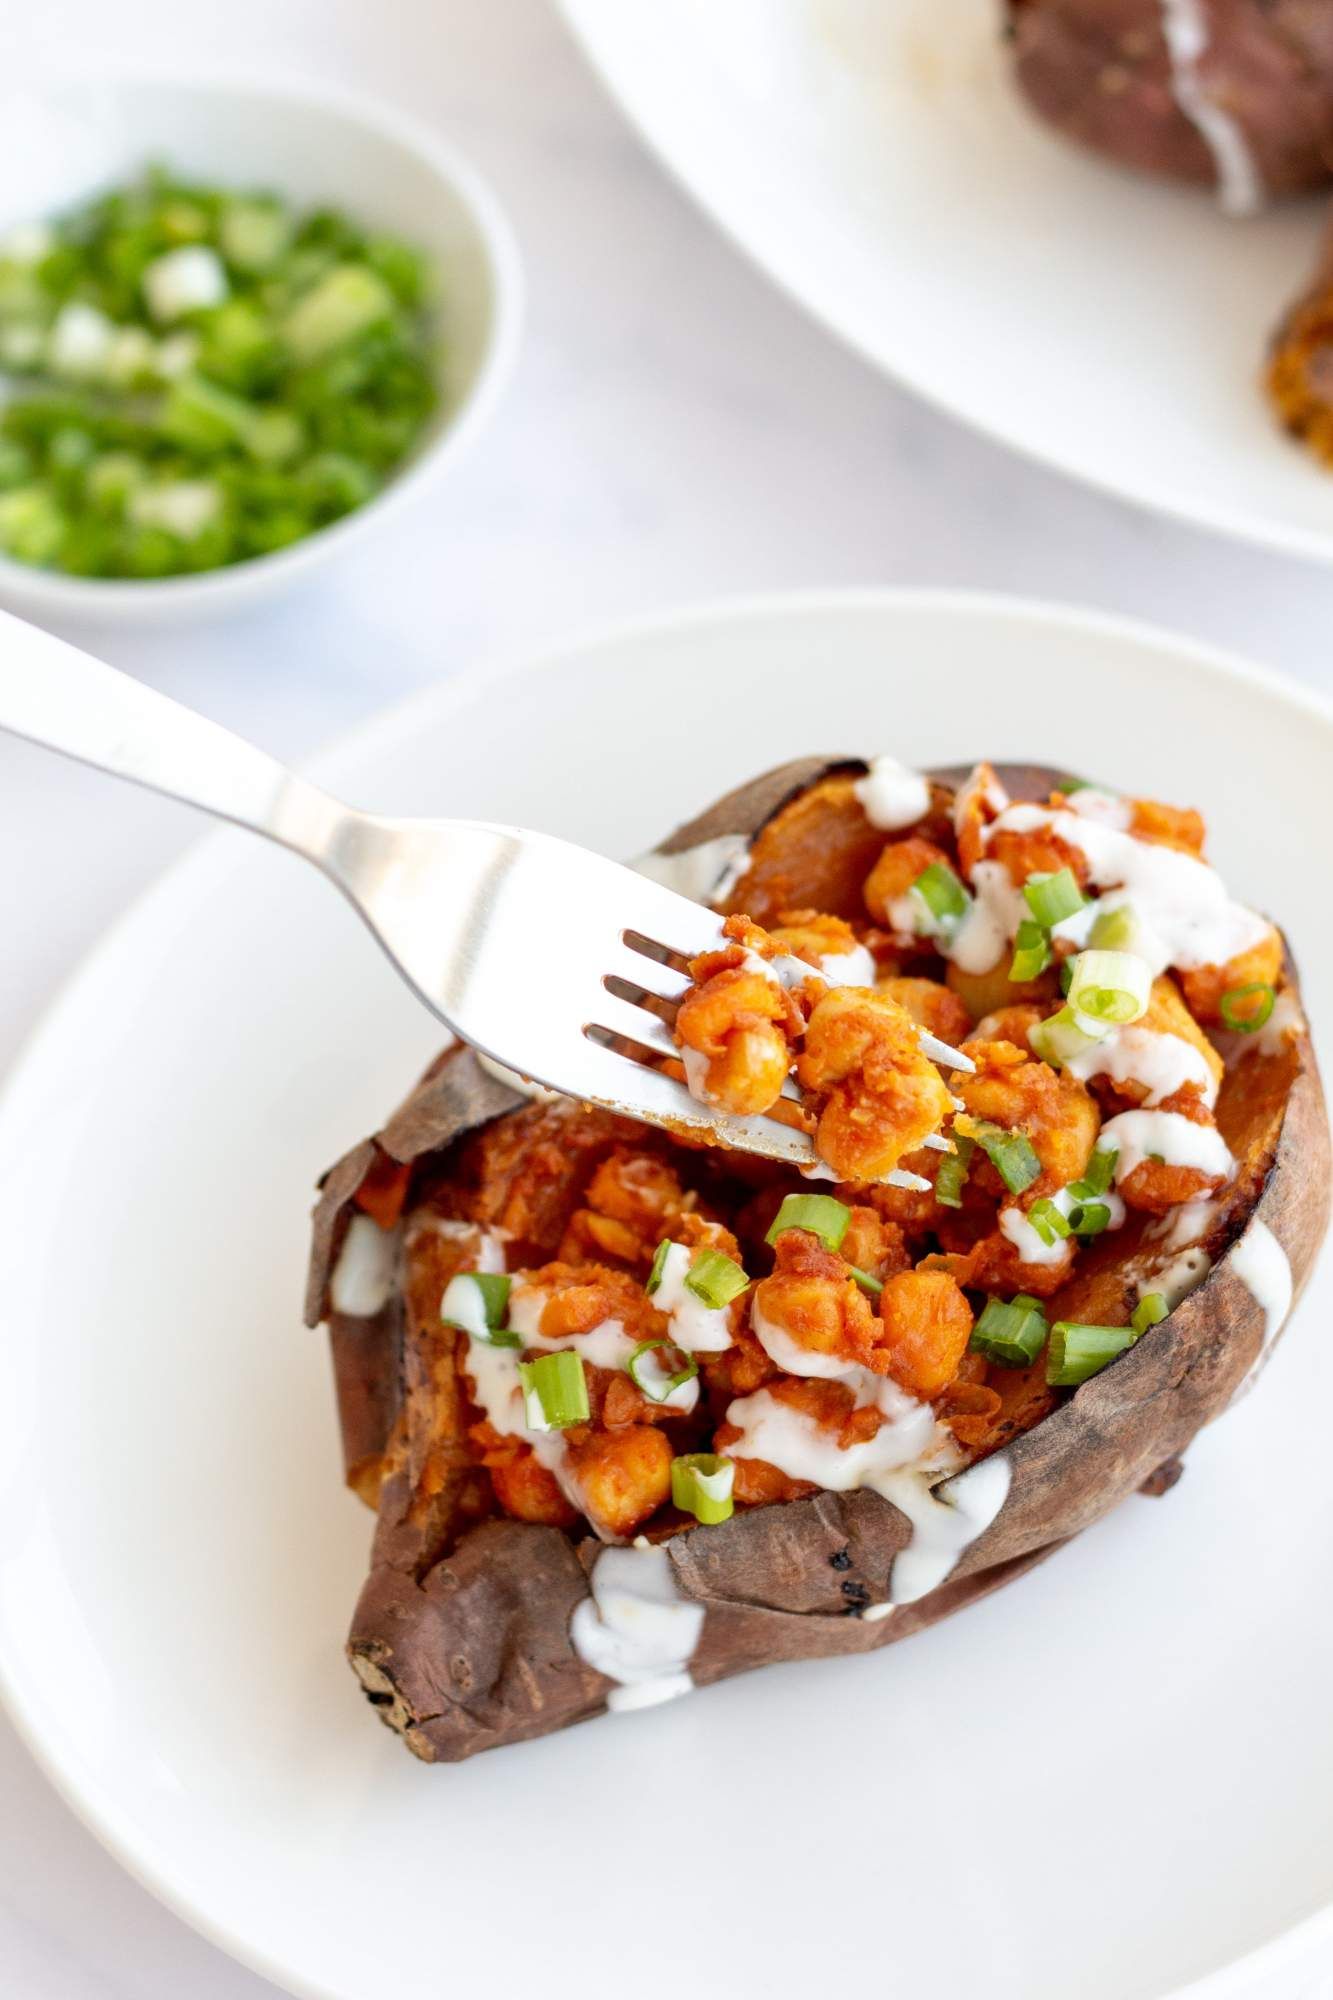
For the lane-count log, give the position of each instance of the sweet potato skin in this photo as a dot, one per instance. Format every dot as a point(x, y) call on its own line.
point(469, 1649)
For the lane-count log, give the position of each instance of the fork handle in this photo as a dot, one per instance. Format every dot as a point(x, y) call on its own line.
point(55, 694)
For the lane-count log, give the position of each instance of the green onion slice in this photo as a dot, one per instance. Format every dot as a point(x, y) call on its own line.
point(1089, 1218)
point(951, 1176)
point(1111, 987)
point(1097, 1179)
point(701, 1484)
point(1012, 1334)
point(1116, 930)
point(945, 900)
point(1151, 1310)
point(555, 1391)
point(1243, 1011)
point(1061, 1038)
point(819, 1213)
point(477, 1301)
point(868, 1284)
point(658, 1266)
point(648, 1369)
point(715, 1278)
point(1032, 952)
point(1051, 898)
point(1076, 1351)
point(1010, 1153)
point(1049, 1221)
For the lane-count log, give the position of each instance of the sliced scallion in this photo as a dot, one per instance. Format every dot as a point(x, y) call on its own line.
point(1049, 1221)
point(868, 1284)
point(1246, 1008)
point(1060, 1038)
point(1032, 952)
point(715, 1278)
point(555, 1391)
point(477, 1302)
point(951, 1176)
point(1012, 1334)
point(1116, 930)
point(945, 900)
point(1113, 987)
point(649, 1365)
point(1010, 1153)
point(701, 1484)
point(1089, 1218)
point(1077, 1351)
point(1051, 898)
point(1151, 1310)
point(1100, 1169)
point(819, 1213)
point(658, 1266)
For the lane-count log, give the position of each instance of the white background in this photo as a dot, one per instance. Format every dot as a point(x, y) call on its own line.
point(675, 431)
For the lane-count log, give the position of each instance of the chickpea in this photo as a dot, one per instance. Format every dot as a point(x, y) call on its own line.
point(879, 1095)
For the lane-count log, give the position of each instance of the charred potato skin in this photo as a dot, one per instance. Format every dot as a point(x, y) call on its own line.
point(1099, 72)
point(470, 1649)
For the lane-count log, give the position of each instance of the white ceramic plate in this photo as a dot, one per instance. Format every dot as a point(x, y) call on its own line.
point(876, 160)
point(1110, 1779)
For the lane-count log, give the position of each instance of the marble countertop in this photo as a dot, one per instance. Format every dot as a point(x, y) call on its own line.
point(676, 430)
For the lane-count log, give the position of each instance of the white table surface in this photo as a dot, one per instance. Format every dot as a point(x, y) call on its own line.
point(675, 431)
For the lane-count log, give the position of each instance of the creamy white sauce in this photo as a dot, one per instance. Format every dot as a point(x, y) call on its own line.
point(1032, 1250)
point(604, 1346)
point(1172, 1138)
point(853, 967)
point(1184, 1225)
point(891, 795)
point(1108, 808)
point(1263, 1267)
point(695, 1327)
point(1161, 1063)
point(1283, 1025)
point(998, 908)
point(1240, 184)
point(1178, 1278)
point(909, 1434)
point(706, 874)
point(695, 1064)
point(793, 1359)
point(363, 1276)
point(1185, 915)
point(636, 1628)
point(945, 1523)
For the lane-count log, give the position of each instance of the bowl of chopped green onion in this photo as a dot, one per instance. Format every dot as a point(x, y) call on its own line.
point(238, 325)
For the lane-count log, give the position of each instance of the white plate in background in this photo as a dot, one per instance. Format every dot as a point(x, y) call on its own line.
point(1110, 1779)
point(877, 162)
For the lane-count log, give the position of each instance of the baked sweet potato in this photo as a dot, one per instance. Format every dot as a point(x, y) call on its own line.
point(524, 1577)
point(1233, 93)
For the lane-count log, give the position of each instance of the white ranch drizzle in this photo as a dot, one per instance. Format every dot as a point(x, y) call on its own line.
point(998, 908)
point(1162, 1063)
point(1177, 1279)
point(1240, 184)
point(1283, 1025)
point(636, 1628)
point(363, 1276)
point(1185, 915)
point(891, 795)
point(1032, 1249)
point(706, 874)
point(696, 1328)
point(853, 967)
point(1108, 808)
point(1168, 1136)
point(945, 1523)
point(1263, 1267)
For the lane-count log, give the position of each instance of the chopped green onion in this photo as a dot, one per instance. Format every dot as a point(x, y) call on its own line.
point(701, 1484)
point(1076, 1352)
point(1116, 930)
point(1101, 1169)
point(1049, 1221)
point(658, 1266)
point(868, 1284)
point(477, 1301)
point(1051, 898)
point(1060, 1038)
point(1012, 1334)
point(951, 1175)
point(1089, 1218)
point(945, 900)
point(1066, 975)
point(1110, 986)
point(819, 1213)
point(1245, 1020)
point(555, 1391)
point(715, 1278)
point(1010, 1153)
point(652, 1377)
point(1032, 952)
point(1151, 1310)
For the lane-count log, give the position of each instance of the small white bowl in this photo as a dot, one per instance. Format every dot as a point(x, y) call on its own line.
point(61, 141)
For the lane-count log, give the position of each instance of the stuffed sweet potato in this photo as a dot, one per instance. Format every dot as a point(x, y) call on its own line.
point(1233, 93)
point(637, 1414)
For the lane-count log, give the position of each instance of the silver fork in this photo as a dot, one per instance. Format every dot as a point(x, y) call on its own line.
point(552, 961)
